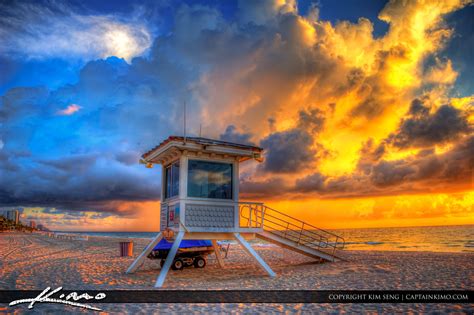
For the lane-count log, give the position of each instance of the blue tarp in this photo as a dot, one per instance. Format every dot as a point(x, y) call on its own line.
point(164, 244)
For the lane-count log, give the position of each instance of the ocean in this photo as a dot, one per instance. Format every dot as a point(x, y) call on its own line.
point(458, 238)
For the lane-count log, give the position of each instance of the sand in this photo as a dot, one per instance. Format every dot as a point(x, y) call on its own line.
point(32, 261)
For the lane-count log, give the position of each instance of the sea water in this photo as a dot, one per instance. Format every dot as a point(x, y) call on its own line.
point(458, 238)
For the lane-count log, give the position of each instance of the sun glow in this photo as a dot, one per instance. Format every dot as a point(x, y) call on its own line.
point(120, 42)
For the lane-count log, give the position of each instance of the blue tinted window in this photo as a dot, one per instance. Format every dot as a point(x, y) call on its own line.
point(209, 179)
point(175, 179)
point(172, 180)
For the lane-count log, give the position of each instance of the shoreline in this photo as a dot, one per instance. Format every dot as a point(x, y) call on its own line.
point(255, 242)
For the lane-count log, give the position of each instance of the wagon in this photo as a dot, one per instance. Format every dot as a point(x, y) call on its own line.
point(190, 253)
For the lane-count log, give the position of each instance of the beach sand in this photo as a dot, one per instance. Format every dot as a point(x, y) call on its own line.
point(33, 261)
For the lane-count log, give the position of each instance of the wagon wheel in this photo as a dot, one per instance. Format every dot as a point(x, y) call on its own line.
point(177, 264)
point(199, 262)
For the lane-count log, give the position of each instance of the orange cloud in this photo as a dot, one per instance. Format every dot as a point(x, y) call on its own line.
point(364, 87)
point(71, 109)
point(402, 210)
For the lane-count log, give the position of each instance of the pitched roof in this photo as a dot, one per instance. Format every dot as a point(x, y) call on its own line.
point(204, 141)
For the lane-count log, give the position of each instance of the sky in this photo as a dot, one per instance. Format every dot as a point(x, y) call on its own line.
point(364, 108)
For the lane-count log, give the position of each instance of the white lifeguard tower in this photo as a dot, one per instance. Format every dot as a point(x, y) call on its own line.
point(200, 200)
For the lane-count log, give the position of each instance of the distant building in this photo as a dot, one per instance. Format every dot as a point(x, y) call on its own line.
point(32, 224)
point(12, 215)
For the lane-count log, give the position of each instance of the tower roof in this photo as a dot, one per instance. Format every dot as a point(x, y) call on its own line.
point(199, 144)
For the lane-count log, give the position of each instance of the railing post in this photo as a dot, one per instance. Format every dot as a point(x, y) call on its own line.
point(254, 208)
point(301, 232)
point(257, 217)
point(238, 219)
point(250, 216)
point(286, 230)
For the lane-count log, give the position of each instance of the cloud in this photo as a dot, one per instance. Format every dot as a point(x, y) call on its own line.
point(53, 30)
point(422, 128)
point(232, 135)
point(288, 151)
point(426, 172)
point(263, 12)
point(391, 173)
point(312, 120)
point(331, 104)
point(90, 162)
point(81, 182)
point(278, 65)
point(313, 182)
point(293, 150)
point(441, 73)
point(454, 168)
point(71, 109)
point(251, 188)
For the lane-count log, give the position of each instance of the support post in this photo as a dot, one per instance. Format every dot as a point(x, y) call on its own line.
point(139, 260)
point(169, 260)
point(220, 261)
point(254, 254)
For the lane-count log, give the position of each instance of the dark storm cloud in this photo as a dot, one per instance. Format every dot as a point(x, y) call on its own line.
point(272, 187)
point(334, 187)
point(418, 108)
point(128, 158)
point(86, 182)
point(311, 120)
point(454, 166)
point(22, 101)
point(313, 182)
point(391, 173)
point(422, 173)
point(79, 163)
point(288, 151)
point(370, 154)
point(232, 135)
point(424, 129)
point(293, 150)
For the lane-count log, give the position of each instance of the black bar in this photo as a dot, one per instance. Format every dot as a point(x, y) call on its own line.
point(257, 296)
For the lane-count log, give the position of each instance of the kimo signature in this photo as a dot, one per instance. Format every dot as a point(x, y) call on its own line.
point(70, 299)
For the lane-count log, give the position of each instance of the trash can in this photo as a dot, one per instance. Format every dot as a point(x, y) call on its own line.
point(126, 249)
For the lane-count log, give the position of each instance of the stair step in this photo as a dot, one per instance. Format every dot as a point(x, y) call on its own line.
point(291, 245)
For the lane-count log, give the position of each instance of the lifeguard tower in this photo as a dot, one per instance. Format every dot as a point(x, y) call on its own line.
point(200, 200)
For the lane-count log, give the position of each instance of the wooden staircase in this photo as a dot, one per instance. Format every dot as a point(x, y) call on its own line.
point(291, 233)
